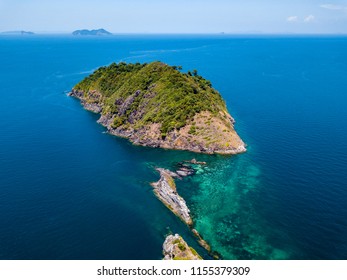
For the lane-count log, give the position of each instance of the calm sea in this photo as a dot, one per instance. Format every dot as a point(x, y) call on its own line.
point(70, 191)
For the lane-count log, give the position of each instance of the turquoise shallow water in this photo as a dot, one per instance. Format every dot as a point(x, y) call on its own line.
point(70, 191)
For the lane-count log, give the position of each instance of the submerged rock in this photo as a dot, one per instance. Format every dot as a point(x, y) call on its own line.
point(201, 241)
point(175, 248)
point(190, 167)
point(185, 171)
point(194, 161)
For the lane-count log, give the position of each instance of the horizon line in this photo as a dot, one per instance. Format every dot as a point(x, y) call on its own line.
point(168, 33)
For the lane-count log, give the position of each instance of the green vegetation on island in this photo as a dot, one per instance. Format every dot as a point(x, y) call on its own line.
point(166, 107)
point(178, 97)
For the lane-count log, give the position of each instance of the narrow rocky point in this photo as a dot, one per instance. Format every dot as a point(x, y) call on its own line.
point(165, 190)
point(175, 248)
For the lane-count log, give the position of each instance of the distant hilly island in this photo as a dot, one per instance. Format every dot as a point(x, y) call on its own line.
point(18, 33)
point(82, 32)
point(94, 32)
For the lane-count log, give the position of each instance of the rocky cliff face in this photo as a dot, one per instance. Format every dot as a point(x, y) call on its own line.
point(175, 248)
point(210, 136)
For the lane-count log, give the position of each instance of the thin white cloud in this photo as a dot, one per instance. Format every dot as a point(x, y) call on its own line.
point(292, 18)
point(309, 18)
point(333, 7)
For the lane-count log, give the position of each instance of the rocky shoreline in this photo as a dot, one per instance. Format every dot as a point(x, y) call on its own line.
point(150, 135)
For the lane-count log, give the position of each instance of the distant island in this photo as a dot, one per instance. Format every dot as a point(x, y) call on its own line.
point(18, 33)
point(157, 105)
point(94, 32)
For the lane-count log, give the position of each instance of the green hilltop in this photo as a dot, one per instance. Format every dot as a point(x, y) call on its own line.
point(178, 97)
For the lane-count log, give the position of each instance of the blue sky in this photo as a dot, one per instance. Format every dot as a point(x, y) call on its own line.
point(179, 16)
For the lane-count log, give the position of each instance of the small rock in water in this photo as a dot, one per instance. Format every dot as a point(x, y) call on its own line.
point(182, 173)
point(194, 161)
point(185, 170)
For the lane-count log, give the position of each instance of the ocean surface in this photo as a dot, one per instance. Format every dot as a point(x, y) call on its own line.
point(70, 191)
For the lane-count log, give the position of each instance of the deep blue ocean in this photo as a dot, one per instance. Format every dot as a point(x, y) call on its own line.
point(70, 191)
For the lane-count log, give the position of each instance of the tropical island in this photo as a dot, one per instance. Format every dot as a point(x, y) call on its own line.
point(94, 32)
point(156, 105)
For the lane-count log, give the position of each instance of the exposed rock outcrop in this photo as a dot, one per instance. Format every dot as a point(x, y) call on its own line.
point(165, 190)
point(175, 248)
point(91, 105)
point(194, 161)
point(184, 170)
